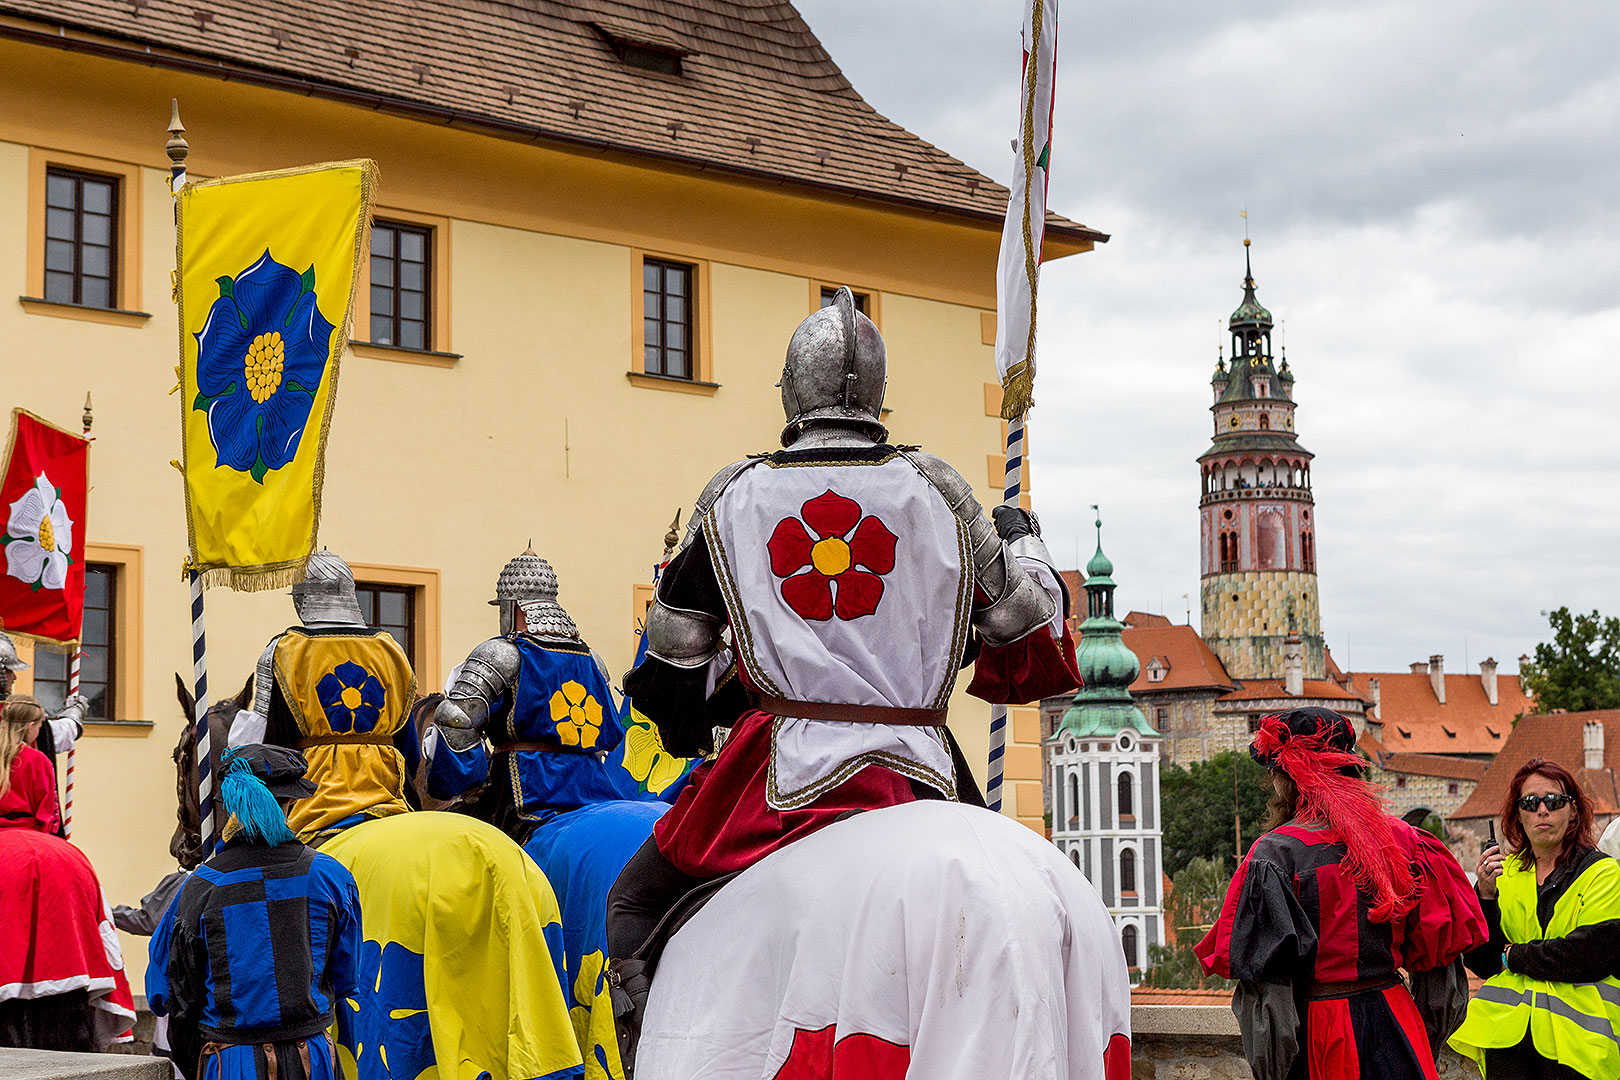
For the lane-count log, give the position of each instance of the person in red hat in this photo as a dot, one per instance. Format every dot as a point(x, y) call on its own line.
point(1326, 910)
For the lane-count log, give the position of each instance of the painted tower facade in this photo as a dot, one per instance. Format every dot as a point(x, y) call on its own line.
point(1257, 533)
point(1105, 777)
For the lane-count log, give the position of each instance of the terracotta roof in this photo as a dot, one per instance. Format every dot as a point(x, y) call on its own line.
point(1557, 737)
point(1334, 672)
point(1191, 663)
point(757, 95)
point(1314, 689)
point(1431, 765)
point(1143, 620)
point(1415, 722)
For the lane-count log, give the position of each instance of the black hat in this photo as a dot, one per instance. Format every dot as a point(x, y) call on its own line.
point(1334, 730)
point(282, 770)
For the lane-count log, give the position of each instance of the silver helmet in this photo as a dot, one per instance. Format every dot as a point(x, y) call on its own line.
point(836, 371)
point(9, 661)
point(528, 583)
point(326, 595)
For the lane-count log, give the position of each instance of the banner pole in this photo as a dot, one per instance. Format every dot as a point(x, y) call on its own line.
point(1013, 486)
point(73, 673)
point(178, 149)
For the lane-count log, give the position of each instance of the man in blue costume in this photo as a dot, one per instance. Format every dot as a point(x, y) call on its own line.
point(263, 940)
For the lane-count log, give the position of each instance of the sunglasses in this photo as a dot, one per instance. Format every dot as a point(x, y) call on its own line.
point(1528, 803)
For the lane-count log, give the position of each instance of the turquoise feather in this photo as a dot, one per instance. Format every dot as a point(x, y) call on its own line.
point(248, 800)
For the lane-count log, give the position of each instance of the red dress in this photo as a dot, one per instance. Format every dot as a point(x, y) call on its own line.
point(31, 801)
point(1293, 914)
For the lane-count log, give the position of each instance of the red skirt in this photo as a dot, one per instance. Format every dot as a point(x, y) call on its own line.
point(721, 823)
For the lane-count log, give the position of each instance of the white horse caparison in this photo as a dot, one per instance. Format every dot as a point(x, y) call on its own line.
point(928, 939)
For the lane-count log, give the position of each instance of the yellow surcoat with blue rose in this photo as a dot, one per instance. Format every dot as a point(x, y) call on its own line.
point(348, 694)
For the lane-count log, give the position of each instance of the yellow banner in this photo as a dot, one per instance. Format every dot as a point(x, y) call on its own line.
point(267, 272)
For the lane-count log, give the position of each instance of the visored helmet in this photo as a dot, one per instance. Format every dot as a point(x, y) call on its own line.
point(836, 371)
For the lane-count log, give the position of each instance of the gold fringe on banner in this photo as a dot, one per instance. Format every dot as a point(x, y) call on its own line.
point(251, 578)
point(42, 643)
point(1017, 390)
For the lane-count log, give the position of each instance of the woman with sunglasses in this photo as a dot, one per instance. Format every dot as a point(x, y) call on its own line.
point(1551, 1005)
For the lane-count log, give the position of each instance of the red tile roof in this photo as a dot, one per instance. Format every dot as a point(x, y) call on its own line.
point(757, 97)
point(1557, 737)
point(1191, 663)
point(1431, 765)
point(1315, 689)
point(1414, 721)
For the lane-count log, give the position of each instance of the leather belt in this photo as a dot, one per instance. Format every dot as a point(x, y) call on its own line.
point(849, 714)
point(370, 738)
point(527, 747)
point(1324, 991)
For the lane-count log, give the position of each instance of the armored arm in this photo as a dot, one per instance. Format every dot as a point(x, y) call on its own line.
point(486, 674)
point(1016, 605)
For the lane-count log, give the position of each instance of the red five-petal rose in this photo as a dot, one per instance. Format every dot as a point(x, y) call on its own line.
point(811, 595)
point(789, 547)
point(858, 593)
point(872, 546)
point(830, 514)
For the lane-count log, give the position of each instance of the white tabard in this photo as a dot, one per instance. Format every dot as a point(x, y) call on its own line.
point(845, 583)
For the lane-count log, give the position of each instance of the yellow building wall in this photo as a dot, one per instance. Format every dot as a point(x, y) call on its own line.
point(534, 434)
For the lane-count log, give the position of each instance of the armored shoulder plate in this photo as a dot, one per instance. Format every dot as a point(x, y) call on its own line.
point(711, 493)
point(488, 670)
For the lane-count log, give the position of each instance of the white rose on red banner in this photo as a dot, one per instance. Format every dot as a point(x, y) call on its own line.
point(39, 535)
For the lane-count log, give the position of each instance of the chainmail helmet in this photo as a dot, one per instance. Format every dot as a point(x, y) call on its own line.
point(528, 584)
point(326, 595)
point(836, 371)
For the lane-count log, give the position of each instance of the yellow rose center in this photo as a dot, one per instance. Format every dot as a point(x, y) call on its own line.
point(263, 365)
point(351, 698)
point(47, 534)
point(830, 556)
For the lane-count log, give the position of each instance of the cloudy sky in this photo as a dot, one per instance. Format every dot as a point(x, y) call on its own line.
point(1432, 191)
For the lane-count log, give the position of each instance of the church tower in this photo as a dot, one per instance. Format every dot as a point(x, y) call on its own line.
point(1105, 777)
point(1257, 534)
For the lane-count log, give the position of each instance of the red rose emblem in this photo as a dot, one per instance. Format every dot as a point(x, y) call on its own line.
point(843, 541)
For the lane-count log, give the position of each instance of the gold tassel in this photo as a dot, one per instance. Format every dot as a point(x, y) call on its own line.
point(1017, 390)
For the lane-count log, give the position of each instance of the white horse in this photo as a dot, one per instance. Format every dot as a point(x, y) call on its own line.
point(930, 939)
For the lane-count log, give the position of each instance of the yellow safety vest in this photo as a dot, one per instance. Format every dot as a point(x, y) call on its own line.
point(349, 694)
point(1574, 1024)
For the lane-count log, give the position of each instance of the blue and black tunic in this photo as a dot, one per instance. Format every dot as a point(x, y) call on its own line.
point(251, 958)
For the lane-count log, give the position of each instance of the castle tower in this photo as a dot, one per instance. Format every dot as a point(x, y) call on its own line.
point(1105, 776)
point(1257, 533)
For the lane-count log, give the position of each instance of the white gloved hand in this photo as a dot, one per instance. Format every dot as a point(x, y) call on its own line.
point(75, 708)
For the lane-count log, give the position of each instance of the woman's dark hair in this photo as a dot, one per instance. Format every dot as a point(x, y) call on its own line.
point(1576, 837)
point(1284, 802)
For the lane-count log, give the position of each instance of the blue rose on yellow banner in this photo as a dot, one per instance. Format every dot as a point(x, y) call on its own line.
point(260, 358)
point(352, 698)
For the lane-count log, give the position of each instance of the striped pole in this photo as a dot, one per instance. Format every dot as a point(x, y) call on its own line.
point(199, 675)
point(73, 673)
point(1013, 489)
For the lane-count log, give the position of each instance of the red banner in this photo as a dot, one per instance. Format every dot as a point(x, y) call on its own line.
point(43, 482)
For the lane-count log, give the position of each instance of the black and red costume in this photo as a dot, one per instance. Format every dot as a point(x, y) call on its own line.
point(1327, 910)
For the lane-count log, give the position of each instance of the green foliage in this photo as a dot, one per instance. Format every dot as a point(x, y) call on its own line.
point(1197, 804)
point(1579, 669)
point(1435, 826)
point(1191, 906)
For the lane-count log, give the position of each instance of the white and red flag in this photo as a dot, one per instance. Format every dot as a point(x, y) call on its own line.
point(1019, 266)
point(43, 483)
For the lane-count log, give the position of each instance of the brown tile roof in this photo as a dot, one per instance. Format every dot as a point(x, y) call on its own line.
point(1557, 737)
point(1154, 995)
point(1431, 765)
point(1191, 663)
point(758, 96)
point(1314, 689)
point(1415, 722)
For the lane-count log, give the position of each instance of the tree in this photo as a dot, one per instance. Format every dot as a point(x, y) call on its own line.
point(1191, 905)
point(1198, 803)
point(1579, 669)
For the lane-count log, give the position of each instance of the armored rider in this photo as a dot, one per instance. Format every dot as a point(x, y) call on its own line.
point(855, 577)
point(542, 697)
point(339, 692)
point(58, 734)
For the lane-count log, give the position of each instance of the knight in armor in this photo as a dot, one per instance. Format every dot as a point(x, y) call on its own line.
point(340, 692)
point(855, 578)
point(541, 696)
point(58, 733)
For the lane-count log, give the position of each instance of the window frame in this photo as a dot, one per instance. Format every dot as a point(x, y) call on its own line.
point(77, 275)
point(874, 309)
point(689, 298)
point(129, 204)
point(700, 307)
point(410, 593)
point(438, 310)
point(424, 581)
